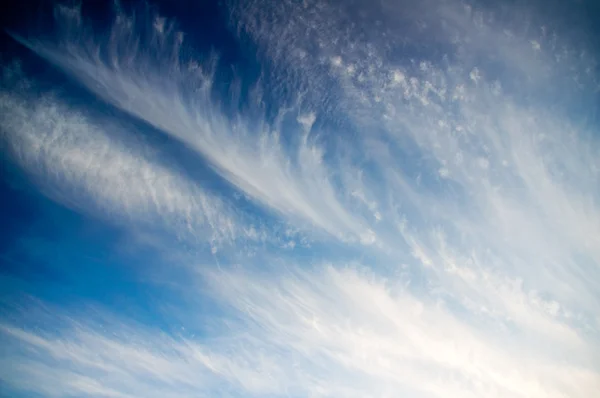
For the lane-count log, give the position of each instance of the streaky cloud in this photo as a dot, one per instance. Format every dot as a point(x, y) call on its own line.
point(337, 330)
point(127, 73)
point(465, 197)
point(77, 163)
point(477, 150)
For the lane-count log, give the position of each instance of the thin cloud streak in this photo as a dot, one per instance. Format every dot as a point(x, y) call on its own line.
point(294, 182)
point(498, 167)
point(328, 332)
point(78, 164)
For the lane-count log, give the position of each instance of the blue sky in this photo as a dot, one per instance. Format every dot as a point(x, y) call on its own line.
point(300, 199)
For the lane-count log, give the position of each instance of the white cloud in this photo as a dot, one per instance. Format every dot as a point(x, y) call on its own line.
point(293, 181)
point(467, 178)
point(77, 163)
point(518, 206)
point(328, 332)
point(520, 191)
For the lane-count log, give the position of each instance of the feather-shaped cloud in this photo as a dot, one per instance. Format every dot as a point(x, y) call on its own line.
point(441, 182)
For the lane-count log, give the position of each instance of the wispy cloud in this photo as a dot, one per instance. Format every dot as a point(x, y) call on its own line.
point(326, 332)
point(77, 163)
point(293, 181)
point(464, 188)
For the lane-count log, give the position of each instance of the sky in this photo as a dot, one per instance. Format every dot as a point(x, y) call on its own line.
point(257, 199)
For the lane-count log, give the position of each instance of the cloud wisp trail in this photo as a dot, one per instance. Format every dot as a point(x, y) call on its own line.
point(446, 157)
point(291, 181)
point(81, 165)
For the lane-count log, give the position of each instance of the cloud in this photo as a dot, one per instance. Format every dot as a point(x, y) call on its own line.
point(461, 185)
point(293, 181)
point(123, 363)
point(79, 164)
point(328, 331)
point(479, 144)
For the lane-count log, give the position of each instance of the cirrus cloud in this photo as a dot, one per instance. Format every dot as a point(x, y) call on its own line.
point(444, 187)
